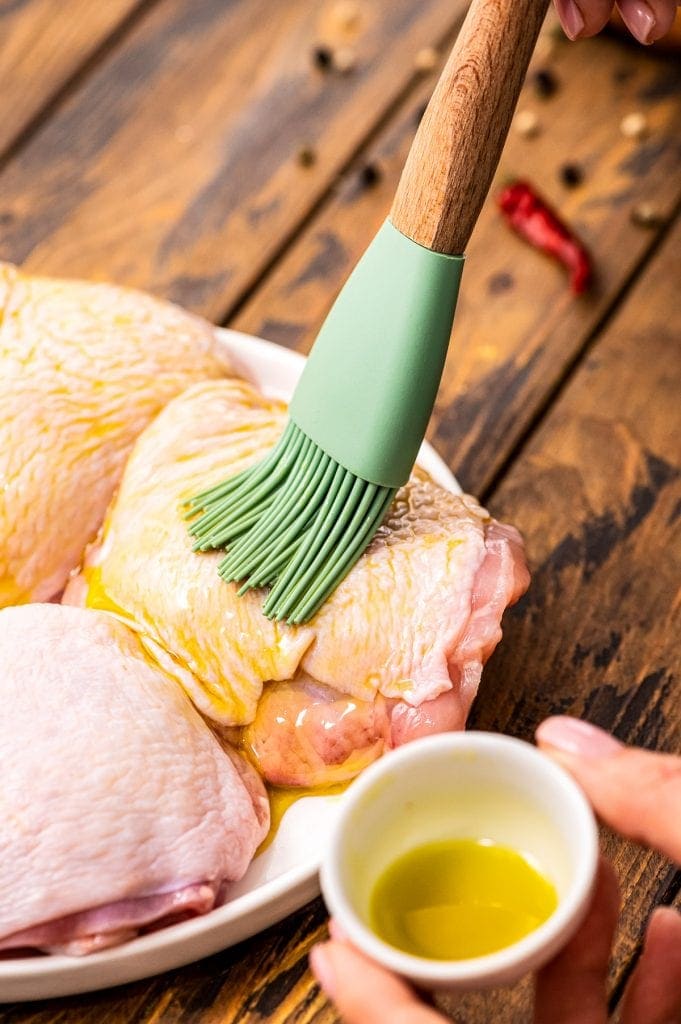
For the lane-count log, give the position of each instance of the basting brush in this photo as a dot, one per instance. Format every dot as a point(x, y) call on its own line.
point(298, 521)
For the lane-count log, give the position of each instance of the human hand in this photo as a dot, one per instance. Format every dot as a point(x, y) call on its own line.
point(638, 794)
point(647, 20)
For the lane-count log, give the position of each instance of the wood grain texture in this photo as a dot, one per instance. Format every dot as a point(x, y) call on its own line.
point(175, 167)
point(42, 44)
point(460, 138)
point(597, 493)
point(517, 326)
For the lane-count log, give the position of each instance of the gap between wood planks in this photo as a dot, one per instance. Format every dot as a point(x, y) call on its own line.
point(442, 44)
point(573, 364)
point(75, 80)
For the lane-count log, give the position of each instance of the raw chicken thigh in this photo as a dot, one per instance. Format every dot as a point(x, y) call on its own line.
point(396, 652)
point(120, 808)
point(83, 369)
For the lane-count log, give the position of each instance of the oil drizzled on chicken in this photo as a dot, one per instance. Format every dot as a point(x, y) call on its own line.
point(83, 369)
point(396, 652)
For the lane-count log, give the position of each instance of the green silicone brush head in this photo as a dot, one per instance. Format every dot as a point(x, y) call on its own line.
point(299, 520)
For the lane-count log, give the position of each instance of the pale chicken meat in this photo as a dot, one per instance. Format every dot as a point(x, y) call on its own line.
point(396, 652)
point(121, 810)
point(83, 369)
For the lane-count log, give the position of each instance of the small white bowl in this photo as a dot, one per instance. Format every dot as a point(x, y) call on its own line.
point(462, 785)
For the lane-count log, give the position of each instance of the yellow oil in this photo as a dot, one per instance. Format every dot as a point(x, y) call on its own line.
point(282, 797)
point(459, 898)
point(97, 596)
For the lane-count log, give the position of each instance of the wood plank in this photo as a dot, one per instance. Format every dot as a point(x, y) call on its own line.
point(43, 43)
point(175, 167)
point(517, 326)
point(597, 494)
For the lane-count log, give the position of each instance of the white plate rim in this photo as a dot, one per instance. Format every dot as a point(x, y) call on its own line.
point(275, 369)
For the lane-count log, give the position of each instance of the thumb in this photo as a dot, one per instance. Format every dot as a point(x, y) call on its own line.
point(636, 792)
point(363, 991)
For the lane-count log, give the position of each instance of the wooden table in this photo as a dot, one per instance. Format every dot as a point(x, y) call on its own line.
point(196, 148)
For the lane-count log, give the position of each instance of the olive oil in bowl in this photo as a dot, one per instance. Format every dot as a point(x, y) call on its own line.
point(454, 899)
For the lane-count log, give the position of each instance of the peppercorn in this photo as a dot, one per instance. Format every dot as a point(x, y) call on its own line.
point(344, 60)
point(346, 14)
point(545, 83)
point(322, 57)
point(571, 175)
point(647, 215)
point(306, 156)
point(526, 123)
point(370, 175)
point(634, 125)
point(426, 59)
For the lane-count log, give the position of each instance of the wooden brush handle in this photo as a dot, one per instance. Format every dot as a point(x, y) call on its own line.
point(458, 144)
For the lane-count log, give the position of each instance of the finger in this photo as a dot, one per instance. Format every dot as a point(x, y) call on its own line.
point(653, 995)
point(571, 989)
point(636, 792)
point(581, 18)
point(365, 993)
point(648, 20)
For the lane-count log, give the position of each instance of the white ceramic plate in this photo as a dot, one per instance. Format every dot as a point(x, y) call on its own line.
point(279, 881)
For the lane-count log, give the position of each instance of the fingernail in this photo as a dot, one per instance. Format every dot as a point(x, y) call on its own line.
point(322, 970)
point(571, 18)
point(578, 738)
point(639, 18)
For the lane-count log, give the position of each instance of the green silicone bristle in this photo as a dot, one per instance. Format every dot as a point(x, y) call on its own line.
point(297, 521)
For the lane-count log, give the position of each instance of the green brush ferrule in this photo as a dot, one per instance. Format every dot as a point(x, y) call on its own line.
point(376, 365)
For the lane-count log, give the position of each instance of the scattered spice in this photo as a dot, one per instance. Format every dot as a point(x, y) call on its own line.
point(526, 123)
point(370, 175)
point(501, 282)
point(306, 156)
point(322, 57)
point(634, 125)
point(344, 60)
point(571, 175)
point(647, 215)
point(534, 220)
point(345, 14)
point(426, 59)
point(545, 83)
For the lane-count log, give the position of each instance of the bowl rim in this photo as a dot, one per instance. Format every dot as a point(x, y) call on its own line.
point(532, 949)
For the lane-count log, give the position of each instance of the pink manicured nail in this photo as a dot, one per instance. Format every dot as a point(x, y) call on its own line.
point(578, 738)
point(322, 970)
point(571, 17)
point(639, 19)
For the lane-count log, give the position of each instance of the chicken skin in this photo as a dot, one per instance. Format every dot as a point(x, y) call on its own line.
point(121, 810)
point(83, 369)
point(397, 650)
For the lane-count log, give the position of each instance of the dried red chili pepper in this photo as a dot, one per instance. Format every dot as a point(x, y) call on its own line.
point(538, 224)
